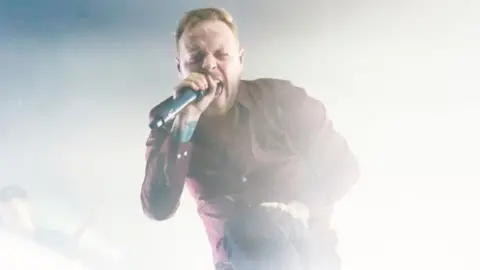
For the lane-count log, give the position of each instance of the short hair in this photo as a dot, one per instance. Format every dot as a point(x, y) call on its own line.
point(193, 17)
point(12, 192)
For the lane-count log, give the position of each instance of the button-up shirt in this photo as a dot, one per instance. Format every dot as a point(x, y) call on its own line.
point(276, 144)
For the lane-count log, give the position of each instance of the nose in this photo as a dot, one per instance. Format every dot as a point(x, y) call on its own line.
point(209, 63)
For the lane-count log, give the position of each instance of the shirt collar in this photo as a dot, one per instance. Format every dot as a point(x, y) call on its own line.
point(244, 96)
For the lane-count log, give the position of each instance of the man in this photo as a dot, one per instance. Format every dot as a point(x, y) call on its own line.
point(16, 217)
point(261, 157)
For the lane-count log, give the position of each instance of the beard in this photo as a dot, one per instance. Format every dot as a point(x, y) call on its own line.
point(224, 100)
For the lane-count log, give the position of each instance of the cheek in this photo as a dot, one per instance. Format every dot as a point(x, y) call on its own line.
point(184, 71)
point(229, 70)
point(186, 68)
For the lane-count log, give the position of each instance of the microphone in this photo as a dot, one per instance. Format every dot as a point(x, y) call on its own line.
point(169, 108)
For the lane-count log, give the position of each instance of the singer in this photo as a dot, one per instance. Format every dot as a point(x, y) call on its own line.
point(261, 157)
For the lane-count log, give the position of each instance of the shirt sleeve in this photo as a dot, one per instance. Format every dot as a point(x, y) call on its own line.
point(326, 151)
point(167, 162)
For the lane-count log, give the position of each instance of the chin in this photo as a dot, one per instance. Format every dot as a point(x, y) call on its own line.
point(216, 110)
point(220, 105)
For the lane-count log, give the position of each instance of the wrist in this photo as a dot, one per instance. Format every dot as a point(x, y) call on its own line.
point(188, 117)
point(184, 127)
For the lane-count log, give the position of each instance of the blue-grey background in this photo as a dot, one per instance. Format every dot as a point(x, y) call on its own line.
point(400, 78)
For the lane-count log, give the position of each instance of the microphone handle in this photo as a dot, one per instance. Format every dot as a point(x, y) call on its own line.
point(170, 107)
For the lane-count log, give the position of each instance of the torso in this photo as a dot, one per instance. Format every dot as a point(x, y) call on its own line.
point(242, 154)
point(242, 158)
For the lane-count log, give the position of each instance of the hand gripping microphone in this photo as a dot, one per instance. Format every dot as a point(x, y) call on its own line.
point(169, 108)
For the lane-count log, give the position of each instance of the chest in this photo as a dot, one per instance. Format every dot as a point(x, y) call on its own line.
point(251, 144)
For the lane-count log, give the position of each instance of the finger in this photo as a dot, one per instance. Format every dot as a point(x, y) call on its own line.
point(195, 85)
point(198, 80)
point(190, 84)
point(212, 84)
point(203, 81)
point(209, 95)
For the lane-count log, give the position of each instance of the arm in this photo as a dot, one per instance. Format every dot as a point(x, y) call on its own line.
point(167, 161)
point(326, 152)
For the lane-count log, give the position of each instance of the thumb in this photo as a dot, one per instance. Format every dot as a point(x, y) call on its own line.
point(208, 97)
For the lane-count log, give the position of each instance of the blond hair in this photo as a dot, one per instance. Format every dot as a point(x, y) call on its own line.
point(193, 17)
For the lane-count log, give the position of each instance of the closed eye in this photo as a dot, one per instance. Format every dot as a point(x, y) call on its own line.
point(195, 58)
point(221, 55)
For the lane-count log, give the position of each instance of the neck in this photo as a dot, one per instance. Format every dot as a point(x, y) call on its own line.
point(215, 112)
point(210, 124)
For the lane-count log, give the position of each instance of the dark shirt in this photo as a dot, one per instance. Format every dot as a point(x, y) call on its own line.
point(275, 145)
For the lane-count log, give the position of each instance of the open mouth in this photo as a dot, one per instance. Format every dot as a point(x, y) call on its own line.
point(219, 89)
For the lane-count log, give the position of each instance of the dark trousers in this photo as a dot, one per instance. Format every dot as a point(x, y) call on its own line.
point(264, 238)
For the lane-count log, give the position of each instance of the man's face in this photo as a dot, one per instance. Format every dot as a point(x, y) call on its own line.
point(212, 48)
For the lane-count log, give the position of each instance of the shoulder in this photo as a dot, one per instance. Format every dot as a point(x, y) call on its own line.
point(280, 91)
point(271, 85)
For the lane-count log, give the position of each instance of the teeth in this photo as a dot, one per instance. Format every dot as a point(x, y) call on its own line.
point(219, 89)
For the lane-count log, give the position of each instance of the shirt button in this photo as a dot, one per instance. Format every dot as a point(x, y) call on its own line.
point(179, 156)
point(244, 179)
point(185, 153)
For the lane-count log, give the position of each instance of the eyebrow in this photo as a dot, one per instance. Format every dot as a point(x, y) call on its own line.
point(197, 49)
point(192, 48)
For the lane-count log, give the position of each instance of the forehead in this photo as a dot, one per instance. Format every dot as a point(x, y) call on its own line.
point(208, 35)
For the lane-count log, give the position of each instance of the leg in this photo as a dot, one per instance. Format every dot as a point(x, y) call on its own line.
point(319, 248)
point(263, 239)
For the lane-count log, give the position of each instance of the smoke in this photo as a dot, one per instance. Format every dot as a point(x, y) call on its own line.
point(399, 79)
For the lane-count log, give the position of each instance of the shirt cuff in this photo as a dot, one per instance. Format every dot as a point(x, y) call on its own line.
point(183, 151)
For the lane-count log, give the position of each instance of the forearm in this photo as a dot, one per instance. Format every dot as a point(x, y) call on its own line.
point(328, 156)
point(341, 178)
point(162, 185)
point(168, 158)
point(335, 166)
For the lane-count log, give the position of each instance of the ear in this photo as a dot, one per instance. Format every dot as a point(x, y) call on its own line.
point(242, 55)
point(179, 68)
